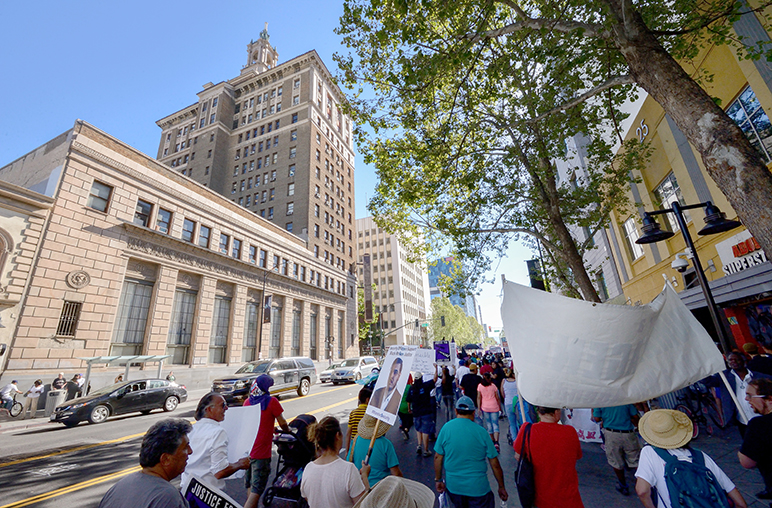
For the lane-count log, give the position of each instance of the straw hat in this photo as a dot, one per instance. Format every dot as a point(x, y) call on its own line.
point(666, 428)
point(367, 425)
point(396, 492)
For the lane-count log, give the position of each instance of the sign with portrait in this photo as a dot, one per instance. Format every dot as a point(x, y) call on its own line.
point(392, 379)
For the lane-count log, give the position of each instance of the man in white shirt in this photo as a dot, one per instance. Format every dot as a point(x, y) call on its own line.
point(670, 431)
point(209, 460)
point(461, 371)
point(7, 392)
point(32, 398)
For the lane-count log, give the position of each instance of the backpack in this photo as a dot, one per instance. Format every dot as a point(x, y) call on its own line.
point(691, 484)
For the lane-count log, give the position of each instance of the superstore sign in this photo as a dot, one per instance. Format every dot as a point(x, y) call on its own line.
point(740, 252)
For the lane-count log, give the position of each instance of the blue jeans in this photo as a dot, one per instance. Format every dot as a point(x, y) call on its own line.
point(486, 501)
point(448, 401)
point(491, 421)
point(514, 421)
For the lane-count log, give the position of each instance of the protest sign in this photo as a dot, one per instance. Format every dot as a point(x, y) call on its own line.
point(599, 355)
point(442, 353)
point(200, 495)
point(581, 419)
point(241, 425)
point(388, 389)
point(423, 362)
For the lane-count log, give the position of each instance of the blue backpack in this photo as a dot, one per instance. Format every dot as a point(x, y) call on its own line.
point(691, 484)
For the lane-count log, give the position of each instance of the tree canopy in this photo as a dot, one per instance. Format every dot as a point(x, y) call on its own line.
point(467, 104)
point(458, 326)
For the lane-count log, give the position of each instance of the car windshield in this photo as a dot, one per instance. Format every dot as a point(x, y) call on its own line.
point(251, 368)
point(333, 366)
point(107, 389)
point(351, 363)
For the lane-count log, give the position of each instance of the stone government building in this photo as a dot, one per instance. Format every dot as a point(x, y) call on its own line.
point(135, 258)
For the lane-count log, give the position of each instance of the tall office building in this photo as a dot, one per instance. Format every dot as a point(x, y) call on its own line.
point(444, 266)
point(401, 292)
point(274, 140)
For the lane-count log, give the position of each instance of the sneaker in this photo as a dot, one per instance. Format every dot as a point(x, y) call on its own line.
point(623, 489)
point(427, 453)
point(406, 434)
point(418, 450)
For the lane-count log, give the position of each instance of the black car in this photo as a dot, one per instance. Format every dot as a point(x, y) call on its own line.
point(289, 374)
point(142, 395)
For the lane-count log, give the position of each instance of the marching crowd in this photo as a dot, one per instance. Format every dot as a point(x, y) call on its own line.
point(358, 465)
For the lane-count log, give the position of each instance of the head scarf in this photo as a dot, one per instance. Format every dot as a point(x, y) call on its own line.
point(258, 393)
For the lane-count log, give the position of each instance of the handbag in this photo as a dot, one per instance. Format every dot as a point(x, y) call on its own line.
point(524, 475)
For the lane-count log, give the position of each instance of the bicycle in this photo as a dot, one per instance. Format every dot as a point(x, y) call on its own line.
point(16, 407)
point(701, 405)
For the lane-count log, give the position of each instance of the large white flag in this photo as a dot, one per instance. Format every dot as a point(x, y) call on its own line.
point(574, 353)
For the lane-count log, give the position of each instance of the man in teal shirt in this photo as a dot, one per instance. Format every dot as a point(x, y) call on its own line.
point(383, 461)
point(622, 446)
point(462, 447)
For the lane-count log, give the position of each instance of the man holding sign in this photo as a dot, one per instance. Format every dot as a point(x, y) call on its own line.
point(388, 397)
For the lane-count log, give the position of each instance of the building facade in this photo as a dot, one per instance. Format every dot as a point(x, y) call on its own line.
point(444, 267)
point(739, 273)
point(401, 294)
point(136, 258)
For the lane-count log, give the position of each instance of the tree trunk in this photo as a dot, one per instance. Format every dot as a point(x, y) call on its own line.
point(730, 159)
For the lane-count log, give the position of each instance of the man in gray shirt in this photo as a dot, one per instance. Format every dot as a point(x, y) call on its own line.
point(163, 457)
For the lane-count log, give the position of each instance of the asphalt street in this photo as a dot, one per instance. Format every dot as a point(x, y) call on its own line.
point(44, 464)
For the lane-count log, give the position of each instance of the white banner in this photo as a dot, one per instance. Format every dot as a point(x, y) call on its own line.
point(423, 362)
point(241, 425)
point(580, 354)
point(581, 419)
point(388, 390)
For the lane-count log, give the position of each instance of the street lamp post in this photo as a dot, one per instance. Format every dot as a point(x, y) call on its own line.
point(715, 222)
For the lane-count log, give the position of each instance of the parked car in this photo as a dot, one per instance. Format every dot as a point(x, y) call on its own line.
point(297, 373)
point(142, 395)
point(354, 369)
point(324, 375)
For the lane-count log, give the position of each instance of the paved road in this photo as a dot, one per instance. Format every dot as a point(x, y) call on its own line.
point(48, 465)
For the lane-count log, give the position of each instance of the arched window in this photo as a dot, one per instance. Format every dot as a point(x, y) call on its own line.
point(6, 247)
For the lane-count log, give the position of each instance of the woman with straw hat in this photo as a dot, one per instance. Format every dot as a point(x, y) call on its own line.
point(670, 431)
point(383, 460)
point(395, 492)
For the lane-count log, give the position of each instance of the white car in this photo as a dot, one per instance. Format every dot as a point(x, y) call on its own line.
point(354, 369)
point(324, 376)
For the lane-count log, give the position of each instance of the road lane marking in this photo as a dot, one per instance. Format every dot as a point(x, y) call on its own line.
point(72, 488)
point(102, 479)
point(132, 436)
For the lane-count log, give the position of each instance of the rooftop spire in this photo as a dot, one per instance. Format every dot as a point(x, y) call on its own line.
point(264, 34)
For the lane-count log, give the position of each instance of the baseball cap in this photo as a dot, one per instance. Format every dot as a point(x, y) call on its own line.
point(465, 403)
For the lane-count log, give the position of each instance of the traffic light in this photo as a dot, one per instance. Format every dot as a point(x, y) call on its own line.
point(416, 323)
point(442, 320)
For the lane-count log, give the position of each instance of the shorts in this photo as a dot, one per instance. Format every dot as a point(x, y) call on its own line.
point(622, 448)
point(459, 501)
point(424, 424)
point(256, 477)
point(491, 421)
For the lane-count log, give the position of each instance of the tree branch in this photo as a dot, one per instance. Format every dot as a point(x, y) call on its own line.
point(610, 83)
point(589, 29)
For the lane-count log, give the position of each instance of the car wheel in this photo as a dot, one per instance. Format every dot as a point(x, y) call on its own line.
point(304, 388)
point(335, 382)
point(99, 414)
point(171, 403)
point(358, 376)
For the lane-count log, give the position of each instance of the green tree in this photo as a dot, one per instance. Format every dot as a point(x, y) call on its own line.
point(369, 333)
point(458, 326)
point(474, 98)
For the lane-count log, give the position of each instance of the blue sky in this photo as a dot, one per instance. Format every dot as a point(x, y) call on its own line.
point(123, 65)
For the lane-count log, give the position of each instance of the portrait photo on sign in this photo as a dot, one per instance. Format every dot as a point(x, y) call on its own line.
point(388, 389)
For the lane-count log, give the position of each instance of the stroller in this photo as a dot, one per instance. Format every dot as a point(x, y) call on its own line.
point(295, 451)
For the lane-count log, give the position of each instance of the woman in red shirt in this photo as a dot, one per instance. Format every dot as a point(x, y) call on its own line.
point(554, 450)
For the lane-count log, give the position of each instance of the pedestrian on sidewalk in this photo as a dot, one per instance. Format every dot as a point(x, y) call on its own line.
point(756, 450)
point(383, 461)
point(554, 450)
point(59, 382)
point(738, 376)
point(509, 395)
point(32, 397)
point(622, 446)
point(489, 403)
point(464, 450)
point(7, 393)
point(354, 417)
point(424, 409)
point(260, 456)
point(209, 442)
point(163, 457)
point(329, 480)
point(73, 388)
point(469, 385)
point(668, 433)
point(405, 416)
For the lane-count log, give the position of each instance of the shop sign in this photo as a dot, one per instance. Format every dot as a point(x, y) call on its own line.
point(740, 252)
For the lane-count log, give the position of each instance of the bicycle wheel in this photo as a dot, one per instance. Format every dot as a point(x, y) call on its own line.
point(688, 412)
point(16, 409)
point(714, 411)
